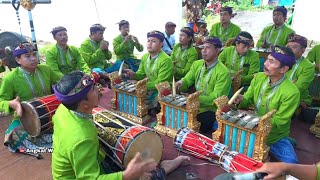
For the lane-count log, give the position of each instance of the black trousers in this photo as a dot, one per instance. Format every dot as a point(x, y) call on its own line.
point(206, 119)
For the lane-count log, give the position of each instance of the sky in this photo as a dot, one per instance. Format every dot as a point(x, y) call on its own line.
point(78, 15)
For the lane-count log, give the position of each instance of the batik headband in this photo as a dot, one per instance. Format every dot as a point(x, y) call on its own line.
point(58, 29)
point(23, 48)
point(283, 57)
point(188, 31)
point(303, 41)
point(156, 34)
point(97, 27)
point(213, 40)
point(78, 92)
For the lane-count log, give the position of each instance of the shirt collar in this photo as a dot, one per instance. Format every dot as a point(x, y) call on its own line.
point(278, 82)
point(83, 115)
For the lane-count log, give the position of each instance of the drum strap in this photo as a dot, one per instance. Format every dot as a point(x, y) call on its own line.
point(271, 32)
point(34, 93)
point(223, 36)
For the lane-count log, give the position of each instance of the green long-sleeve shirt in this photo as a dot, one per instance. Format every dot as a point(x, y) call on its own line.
point(64, 62)
point(314, 54)
point(156, 72)
point(224, 34)
point(302, 77)
point(215, 81)
point(76, 148)
point(285, 100)
point(124, 50)
point(16, 84)
point(274, 36)
point(249, 63)
point(183, 59)
point(93, 55)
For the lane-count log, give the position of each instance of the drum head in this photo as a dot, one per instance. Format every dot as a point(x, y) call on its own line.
point(12, 40)
point(148, 143)
point(30, 120)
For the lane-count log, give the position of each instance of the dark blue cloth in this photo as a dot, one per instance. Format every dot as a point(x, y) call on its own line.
point(283, 151)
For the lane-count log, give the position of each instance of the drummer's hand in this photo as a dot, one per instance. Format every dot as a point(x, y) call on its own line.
point(238, 99)
point(274, 170)
point(129, 73)
point(138, 167)
point(16, 105)
point(135, 39)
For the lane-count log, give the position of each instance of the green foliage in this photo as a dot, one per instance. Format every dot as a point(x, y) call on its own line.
point(245, 5)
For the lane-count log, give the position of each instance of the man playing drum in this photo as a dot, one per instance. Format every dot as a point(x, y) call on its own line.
point(29, 80)
point(63, 58)
point(278, 33)
point(274, 90)
point(123, 46)
point(302, 73)
point(210, 76)
point(241, 57)
point(75, 139)
point(95, 50)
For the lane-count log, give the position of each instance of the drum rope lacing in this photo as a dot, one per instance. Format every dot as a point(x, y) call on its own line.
point(214, 162)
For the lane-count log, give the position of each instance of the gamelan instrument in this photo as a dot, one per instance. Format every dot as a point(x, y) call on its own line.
point(125, 139)
point(205, 148)
point(130, 98)
point(243, 131)
point(177, 111)
point(37, 114)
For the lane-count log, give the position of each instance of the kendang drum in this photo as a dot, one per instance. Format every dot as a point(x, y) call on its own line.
point(37, 114)
point(242, 131)
point(126, 139)
point(130, 98)
point(232, 161)
point(177, 111)
point(198, 145)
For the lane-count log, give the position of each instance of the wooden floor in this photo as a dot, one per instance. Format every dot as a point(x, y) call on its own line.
point(17, 166)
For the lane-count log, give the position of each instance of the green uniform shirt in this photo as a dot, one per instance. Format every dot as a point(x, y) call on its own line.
point(64, 62)
point(285, 100)
point(275, 36)
point(76, 148)
point(214, 81)
point(224, 34)
point(157, 70)
point(16, 84)
point(93, 55)
point(314, 54)
point(302, 74)
point(183, 59)
point(249, 63)
point(125, 50)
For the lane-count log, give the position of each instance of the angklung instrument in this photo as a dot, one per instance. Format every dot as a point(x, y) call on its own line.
point(124, 139)
point(37, 114)
point(130, 98)
point(243, 131)
point(177, 111)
